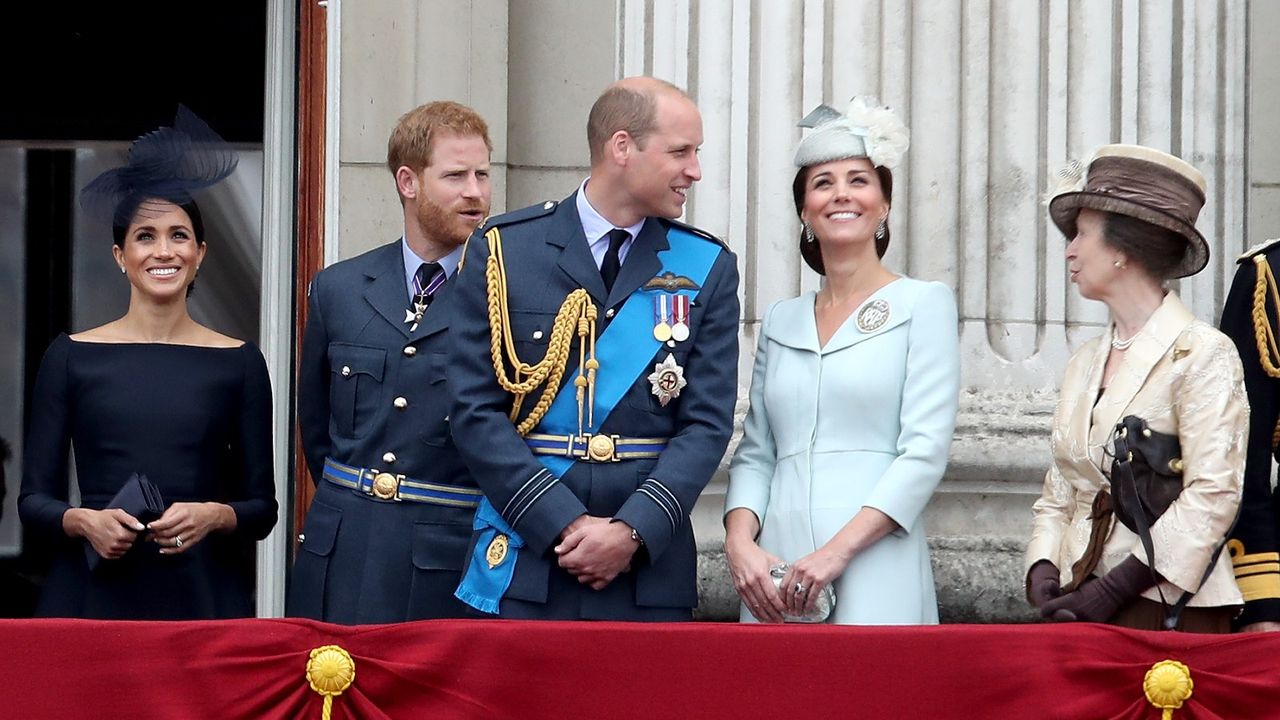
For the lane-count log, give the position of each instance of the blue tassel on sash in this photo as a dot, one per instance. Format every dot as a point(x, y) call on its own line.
point(483, 586)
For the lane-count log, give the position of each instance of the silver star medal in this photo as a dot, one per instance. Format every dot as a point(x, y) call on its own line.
point(667, 380)
point(413, 315)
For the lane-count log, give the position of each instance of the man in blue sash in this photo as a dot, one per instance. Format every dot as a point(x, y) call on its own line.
point(594, 374)
point(386, 536)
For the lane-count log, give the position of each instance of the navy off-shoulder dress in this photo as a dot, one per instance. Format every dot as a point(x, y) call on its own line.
point(197, 422)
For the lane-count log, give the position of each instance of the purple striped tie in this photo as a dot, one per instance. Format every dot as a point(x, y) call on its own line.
point(427, 281)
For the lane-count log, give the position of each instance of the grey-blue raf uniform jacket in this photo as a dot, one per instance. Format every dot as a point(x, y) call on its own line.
point(546, 258)
point(372, 394)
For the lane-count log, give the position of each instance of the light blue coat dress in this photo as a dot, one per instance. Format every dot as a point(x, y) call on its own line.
point(866, 421)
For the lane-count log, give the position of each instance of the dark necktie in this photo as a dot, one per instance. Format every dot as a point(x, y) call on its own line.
point(426, 281)
point(611, 265)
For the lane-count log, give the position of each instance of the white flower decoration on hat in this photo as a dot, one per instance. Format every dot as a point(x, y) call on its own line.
point(883, 133)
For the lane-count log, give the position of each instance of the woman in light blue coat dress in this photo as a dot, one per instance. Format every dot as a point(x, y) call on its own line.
point(853, 402)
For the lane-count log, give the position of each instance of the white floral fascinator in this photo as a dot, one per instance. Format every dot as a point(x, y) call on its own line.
point(866, 130)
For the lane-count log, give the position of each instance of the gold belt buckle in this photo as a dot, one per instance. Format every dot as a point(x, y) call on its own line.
point(601, 448)
point(386, 486)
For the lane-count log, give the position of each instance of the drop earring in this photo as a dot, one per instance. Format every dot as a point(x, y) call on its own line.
point(880, 229)
point(809, 237)
point(122, 270)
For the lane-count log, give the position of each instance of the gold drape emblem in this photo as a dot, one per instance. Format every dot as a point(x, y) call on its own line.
point(1168, 685)
point(330, 671)
point(497, 551)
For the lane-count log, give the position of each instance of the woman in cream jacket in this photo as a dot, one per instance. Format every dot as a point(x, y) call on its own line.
point(1132, 225)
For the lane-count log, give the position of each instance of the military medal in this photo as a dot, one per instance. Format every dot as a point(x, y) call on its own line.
point(680, 309)
point(661, 330)
point(422, 299)
point(667, 380)
point(413, 315)
point(873, 315)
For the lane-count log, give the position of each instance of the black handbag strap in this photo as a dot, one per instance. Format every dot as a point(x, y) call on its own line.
point(1123, 467)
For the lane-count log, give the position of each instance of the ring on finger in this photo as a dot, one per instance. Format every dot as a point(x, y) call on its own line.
point(800, 588)
point(177, 541)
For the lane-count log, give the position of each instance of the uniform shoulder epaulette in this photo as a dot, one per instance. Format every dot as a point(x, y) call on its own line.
point(1264, 246)
point(698, 231)
point(521, 215)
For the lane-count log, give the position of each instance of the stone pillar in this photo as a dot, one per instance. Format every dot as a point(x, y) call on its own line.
point(997, 93)
point(394, 55)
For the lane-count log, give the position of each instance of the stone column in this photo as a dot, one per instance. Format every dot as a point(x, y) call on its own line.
point(392, 56)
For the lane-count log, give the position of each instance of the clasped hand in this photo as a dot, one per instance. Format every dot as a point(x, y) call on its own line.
point(595, 550)
point(190, 521)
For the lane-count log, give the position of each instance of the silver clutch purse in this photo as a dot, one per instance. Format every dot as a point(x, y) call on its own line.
point(822, 607)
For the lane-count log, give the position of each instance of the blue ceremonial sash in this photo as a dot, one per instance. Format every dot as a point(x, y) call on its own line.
point(624, 351)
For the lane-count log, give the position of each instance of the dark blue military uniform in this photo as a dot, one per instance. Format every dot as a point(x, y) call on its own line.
point(546, 258)
point(1255, 543)
point(372, 397)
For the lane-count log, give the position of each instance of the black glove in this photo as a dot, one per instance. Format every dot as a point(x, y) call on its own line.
point(1042, 583)
point(1098, 600)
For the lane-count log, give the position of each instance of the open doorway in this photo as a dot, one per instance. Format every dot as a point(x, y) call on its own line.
point(81, 81)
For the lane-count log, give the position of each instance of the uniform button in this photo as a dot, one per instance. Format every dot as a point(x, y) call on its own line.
point(548, 205)
point(537, 334)
point(410, 351)
point(302, 538)
point(346, 371)
point(610, 313)
point(389, 457)
point(400, 403)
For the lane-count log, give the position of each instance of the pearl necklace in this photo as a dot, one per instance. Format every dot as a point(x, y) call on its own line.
point(1122, 345)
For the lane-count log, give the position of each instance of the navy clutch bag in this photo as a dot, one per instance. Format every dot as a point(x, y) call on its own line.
point(140, 498)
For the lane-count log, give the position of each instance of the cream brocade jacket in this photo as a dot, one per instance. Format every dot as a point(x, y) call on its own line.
point(1184, 378)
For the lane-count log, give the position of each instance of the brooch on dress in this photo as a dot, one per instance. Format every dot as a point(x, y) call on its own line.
point(873, 315)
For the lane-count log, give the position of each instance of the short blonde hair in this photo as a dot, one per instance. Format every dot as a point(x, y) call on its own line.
point(410, 142)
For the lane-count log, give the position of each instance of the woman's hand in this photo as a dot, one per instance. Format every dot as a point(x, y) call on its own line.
point(111, 532)
point(1261, 626)
point(1042, 583)
point(808, 576)
point(184, 524)
point(749, 565)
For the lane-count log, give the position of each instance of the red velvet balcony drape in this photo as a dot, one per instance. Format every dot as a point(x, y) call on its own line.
point(493, 669)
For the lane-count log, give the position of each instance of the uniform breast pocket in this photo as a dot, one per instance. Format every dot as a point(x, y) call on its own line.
point(355, 386)
point(531, 331)
point(435, 421)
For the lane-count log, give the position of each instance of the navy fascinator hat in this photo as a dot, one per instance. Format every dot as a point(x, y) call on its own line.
point(168, 164)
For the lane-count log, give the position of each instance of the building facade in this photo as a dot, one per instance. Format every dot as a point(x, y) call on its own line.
point(997, 95)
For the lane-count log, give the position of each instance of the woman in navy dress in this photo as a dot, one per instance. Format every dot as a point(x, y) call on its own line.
point(158, 394)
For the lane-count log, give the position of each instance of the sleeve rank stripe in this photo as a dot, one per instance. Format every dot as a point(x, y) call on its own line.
point(530, 486)
point(1260, 587)
point(675, 502)
point(532, 500)
point(1255, 557)
point(1258, 569)
point(656, 501)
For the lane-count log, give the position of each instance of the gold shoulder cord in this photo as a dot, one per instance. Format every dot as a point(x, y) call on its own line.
point(577, 311)
point(1262, 330)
